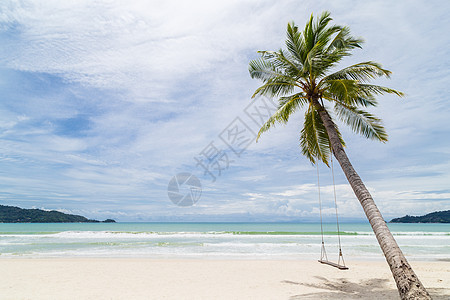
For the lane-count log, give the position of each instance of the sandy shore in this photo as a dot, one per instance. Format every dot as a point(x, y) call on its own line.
point(111, 278)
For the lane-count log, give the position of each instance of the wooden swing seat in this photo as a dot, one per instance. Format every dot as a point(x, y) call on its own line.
point(323, 254)
point(340, 267)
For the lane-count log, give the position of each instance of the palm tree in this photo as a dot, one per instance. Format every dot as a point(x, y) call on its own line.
point(302, 77)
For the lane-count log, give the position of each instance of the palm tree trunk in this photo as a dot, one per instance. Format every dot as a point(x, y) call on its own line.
point(409, 286)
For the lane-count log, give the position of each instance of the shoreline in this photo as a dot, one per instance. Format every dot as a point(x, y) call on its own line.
point(148, 278)
point(354, 259)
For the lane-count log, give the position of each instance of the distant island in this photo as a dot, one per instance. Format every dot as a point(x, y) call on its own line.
point(12, 214)
point(434, 217)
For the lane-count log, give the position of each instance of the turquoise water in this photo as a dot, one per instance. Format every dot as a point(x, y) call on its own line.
point(217, 240)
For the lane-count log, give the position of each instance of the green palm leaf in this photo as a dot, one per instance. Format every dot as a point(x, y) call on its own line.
point(286, 107)
point(361, 122)
point(314, 140)
point(362, 72)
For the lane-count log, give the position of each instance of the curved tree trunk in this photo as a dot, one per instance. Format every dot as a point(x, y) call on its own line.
point(409, 286)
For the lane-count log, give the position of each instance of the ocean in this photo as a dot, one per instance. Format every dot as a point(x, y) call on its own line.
point(217, 240)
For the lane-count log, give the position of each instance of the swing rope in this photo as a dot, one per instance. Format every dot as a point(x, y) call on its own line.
point(323, 254)
point(337, 217)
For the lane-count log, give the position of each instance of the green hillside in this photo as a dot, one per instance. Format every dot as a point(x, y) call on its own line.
point(12, 214)
point(434, 217)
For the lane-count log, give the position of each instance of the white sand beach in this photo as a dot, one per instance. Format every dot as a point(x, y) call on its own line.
point(128, 278)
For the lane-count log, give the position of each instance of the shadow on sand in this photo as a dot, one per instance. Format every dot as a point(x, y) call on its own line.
point(344, 289)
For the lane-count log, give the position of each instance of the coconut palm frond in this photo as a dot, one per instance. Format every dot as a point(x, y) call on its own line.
point(314, 140)
point(343, 40)
point(353, 93)
point(362, 72)
point(343, 89)
point(286, 107)
point(275, 88)
point(361, 122)
point(276, 82)
point(358, 98)
point(285, 61)
point(264, 70)
point(380, 90)
point(323, 62)
point(295, 42)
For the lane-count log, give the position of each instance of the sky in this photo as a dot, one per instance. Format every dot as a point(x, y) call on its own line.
point(102, 103)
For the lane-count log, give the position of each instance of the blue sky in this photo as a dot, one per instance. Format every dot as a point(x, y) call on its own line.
point(103, 102)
